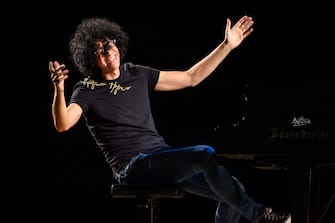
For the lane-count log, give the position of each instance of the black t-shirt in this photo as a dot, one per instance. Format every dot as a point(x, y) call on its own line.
point(118, 113)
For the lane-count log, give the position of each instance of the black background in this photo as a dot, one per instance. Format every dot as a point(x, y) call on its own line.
point(49, 175)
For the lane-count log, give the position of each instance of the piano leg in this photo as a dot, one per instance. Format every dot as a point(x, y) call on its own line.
point(306, 194)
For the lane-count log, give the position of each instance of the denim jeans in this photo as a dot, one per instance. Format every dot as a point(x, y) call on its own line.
point(197, 169)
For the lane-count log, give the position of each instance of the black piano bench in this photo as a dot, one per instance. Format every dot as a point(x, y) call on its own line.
point(147, 198)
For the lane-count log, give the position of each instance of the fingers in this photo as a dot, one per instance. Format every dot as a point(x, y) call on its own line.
point(57, 71)
point(55, 66)
point(245, 24)
point(60, 67)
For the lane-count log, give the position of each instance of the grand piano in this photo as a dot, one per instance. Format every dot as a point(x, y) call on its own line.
point(288, 127)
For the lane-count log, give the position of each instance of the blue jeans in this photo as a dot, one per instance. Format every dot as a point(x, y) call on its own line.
point(197, 169)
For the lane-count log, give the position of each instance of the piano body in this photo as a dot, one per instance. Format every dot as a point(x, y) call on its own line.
point(288, 127)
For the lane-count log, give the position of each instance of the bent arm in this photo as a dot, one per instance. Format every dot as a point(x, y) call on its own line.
point(174, 80)
point(64, 117)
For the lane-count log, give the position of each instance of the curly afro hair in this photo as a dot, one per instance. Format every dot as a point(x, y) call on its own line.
point(82, 43)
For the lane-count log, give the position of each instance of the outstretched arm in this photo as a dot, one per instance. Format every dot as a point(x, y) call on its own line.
point(174, 80)
point(64, 116)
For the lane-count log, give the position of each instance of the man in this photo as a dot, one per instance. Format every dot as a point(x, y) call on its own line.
point(113, 97)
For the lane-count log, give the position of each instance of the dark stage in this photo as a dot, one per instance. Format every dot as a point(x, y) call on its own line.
point(247, 109)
